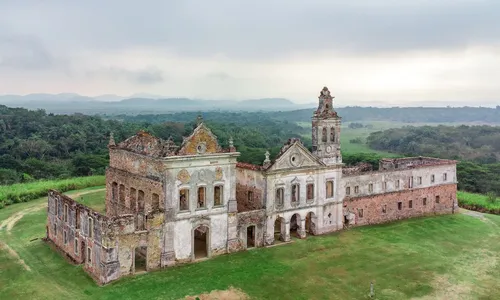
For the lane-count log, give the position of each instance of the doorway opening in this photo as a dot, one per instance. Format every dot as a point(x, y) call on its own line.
point(200, 242)
point(251, 236)
point(310, 225)
point(295, 226)
point(279, 229)
point(140, 259)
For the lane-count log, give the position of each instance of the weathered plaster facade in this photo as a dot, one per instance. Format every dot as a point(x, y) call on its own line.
point(168, 204)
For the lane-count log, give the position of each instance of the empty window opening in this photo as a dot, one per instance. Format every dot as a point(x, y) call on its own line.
point(410, 182)
point(201, 197)
point(77, 218)
point(140, 222)
point(324, 135)
point(184, 199)
point(66, 209)
point(419, 179)
point(295, 193)
point(332, 134)
point(445, 177)
point(384, 185)
point(251, 236)
point(54, 230)
point(437, 199)
point(133, 199)
point(370, 187)
point(279, 229)
point(91, 228)
point(329, 189)
point(424, 201)
point(140, 201)
point(122, 195)
point(89, 255)
point(114, 192)
point(250, 196)
point(410, 204)
point(356, 189)
point(155, 201)
point(140, 259)
point(397, 184)
point(65, 237)
point(400, 205)
point(200, 242)
point(280, 193)
point(75, 246)
point(310, 191)
point(56, 207)
point(360, 212)
point(218, 195)
point(295, 226)
point(348, 190)
point(433, 178)
point(384, 208)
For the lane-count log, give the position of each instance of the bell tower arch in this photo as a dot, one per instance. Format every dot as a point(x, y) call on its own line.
point(326, 130)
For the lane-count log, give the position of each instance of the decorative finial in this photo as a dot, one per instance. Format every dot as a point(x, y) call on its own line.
point(231, 142)
point(199, 120)
point(111, 140)
point(267, 154)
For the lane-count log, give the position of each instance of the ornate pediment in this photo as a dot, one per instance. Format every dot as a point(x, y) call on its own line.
point(201, 141)
point(294, 155)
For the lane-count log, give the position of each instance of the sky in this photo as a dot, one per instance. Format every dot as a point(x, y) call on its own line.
point(390, 52)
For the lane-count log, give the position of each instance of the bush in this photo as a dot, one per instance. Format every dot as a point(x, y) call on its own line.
point(24, 192)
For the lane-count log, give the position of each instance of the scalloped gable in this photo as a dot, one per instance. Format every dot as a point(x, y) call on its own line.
point(201, 141)
point(295, 156)
point(142, 143)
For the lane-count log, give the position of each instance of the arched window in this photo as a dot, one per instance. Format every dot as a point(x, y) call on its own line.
point(324, 136)
point(332, 134)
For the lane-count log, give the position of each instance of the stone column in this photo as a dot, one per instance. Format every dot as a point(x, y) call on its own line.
point(285, 235)
point(302, 229)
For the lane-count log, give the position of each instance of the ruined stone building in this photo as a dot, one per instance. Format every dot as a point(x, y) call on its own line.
point(168, 204)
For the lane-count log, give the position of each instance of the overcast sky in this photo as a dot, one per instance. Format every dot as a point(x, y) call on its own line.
point(373, 51)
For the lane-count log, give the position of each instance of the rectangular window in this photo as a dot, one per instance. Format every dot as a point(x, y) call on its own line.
point(410, 204)
point(419, 180)
point(384, 185)
point(56, 204)
point(410, 182)
point(424, 201)
point(295, 193)
point(370, 187)
point(77, 218)
point(89, 255)
point(445, 177)
point(433, 178)
point(250, 196)
point(217, 195)
point(133, 199)
point(66, 208)
point(348, 190)
point(54, 231)
point(201, 196)
point(279, 196)
point(437, 199)
point(329, 189)
point(360, 212)
point(140, 201)
point(75, 246)
point(155, 201)
point(65, 237)
point(356, 189)
point(384, 208)
point(184, 199)
point(310, 191)
point(400, 205)
point(91, 228)
point(121, 195)
point(114, 192)
point(397, 184)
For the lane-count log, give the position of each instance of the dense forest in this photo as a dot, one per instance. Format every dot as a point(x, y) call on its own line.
point(37, 145)
point(476, 147)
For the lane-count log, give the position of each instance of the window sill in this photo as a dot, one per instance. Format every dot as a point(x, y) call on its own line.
point(201, 208)
point(218, 206)
point(183, 212)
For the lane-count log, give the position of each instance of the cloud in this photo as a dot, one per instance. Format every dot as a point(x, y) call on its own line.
point(24, 52)
point(147, 76)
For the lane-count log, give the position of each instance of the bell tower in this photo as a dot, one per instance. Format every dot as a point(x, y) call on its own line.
point(326, 130)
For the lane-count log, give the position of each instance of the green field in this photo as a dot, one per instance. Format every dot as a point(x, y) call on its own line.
point(478, 202)
point(443, 257)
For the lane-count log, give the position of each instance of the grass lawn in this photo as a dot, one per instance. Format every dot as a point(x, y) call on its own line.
point(444, 257)
point(93, 197)
point(478, 202)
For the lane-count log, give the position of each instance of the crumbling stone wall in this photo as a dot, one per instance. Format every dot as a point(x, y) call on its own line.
point(408, 203)
point(250, 188)
point(255, 218)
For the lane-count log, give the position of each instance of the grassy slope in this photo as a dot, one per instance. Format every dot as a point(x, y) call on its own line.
point(478, 202)
point(426, 257)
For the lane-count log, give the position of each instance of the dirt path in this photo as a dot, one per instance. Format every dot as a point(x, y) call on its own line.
point(15, 255)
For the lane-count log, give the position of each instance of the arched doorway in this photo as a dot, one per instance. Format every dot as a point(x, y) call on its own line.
point(311, 223)
point(200, 241)
point(295, 225)
point(279, 229)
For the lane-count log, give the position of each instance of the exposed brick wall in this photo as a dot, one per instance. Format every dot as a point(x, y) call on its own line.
point(373, 206)
point(249, 181)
